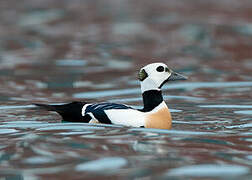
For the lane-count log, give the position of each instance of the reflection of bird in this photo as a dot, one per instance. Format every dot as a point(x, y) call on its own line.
point(155, 113)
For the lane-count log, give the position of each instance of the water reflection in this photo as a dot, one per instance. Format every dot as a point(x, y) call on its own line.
point(53, 52)
point(188, 86)
point(103, 164)
point(245, 112)
point(209, 170)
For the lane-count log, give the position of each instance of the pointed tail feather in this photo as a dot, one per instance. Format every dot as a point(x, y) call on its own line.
point(46, 107)
point(70, 112)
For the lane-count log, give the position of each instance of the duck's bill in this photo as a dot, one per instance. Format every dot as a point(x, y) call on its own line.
point(176, 76)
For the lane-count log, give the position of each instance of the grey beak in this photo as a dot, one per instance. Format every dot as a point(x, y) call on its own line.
point(176, 76)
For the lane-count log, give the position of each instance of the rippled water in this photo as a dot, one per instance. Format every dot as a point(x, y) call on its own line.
point(91, 51)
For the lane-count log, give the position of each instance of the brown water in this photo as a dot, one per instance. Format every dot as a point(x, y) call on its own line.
point(60, 51)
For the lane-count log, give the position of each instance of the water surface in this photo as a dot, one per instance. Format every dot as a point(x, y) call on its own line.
point(91, 51)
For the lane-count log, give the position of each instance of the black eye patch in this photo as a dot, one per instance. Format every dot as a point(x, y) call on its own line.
point(160, 69)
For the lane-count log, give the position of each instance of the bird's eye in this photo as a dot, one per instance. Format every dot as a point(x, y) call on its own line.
point(160, 69)
point(166, 69)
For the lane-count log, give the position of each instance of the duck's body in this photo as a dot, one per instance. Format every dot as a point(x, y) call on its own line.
point(155, 113)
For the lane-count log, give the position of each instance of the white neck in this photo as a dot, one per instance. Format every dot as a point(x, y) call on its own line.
point(148, 84)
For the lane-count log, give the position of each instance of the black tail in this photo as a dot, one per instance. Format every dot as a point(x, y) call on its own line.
point(70, 112)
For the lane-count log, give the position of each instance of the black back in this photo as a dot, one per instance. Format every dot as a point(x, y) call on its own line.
point(98, 110)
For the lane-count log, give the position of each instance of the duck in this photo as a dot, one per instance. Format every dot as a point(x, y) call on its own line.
point(154, 114)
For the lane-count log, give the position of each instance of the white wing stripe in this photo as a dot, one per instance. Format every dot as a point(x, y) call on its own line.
point(83, 111)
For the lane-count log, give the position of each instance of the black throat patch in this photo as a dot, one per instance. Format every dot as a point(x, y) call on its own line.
point(151, 99)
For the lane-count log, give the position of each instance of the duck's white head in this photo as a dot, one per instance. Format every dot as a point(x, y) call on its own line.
point(154, 76)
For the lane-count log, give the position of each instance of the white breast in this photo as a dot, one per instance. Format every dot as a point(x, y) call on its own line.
point(127, 117)
point(131, 117)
